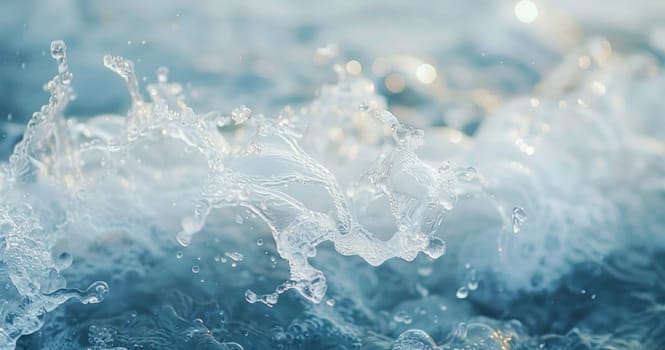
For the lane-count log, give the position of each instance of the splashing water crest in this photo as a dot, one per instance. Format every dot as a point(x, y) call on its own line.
point(54, 152)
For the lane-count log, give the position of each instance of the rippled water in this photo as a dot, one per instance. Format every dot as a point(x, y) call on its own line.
point(459, 175)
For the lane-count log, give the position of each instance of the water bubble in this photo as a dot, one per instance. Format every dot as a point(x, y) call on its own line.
point(330, 302)
point(196, 269)
point(259, 242)
point(519, 217)
point(462, 293)
point(178, 255)
point(64, 260)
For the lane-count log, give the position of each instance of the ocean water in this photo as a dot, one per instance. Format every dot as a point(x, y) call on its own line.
point(377, 175)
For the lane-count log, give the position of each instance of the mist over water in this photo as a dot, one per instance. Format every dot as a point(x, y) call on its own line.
point(477, 175)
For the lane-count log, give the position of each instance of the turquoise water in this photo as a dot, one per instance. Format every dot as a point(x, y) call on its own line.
point(245, 175)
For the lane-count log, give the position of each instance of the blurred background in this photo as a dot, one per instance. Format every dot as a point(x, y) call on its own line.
point(449, 63)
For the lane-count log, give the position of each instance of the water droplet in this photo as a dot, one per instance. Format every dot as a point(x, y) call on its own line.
point(424, 270)
point(444, 167)
point(270, 299)
point(178, 255)
point(467, 174)
point(259, 242)
point(235, 256)
point(239, 219)
point(241, 114)
point(58, 49)
point(403, 316)
point(196, 269)
point(250, 297)
point(462, 293)
point(162, 74)
point(436, 248)
point(191, 224)
point(472, 285)
point(519, 217)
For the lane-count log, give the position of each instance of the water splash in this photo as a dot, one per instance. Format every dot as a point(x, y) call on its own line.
point(165, 171)
point(84, 160)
